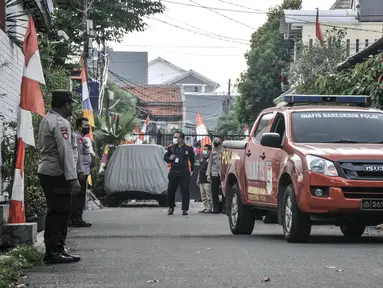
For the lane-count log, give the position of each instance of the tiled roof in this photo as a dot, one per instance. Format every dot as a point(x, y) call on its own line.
point(162, 111)
point(156, 93)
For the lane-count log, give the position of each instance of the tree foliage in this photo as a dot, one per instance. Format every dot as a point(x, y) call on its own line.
point(228, 124)
point(112, 20)
point(359, 80)
point(268, 55)
point(321, 58)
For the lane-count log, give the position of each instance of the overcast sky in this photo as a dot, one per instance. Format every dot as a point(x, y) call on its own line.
point(216, 59)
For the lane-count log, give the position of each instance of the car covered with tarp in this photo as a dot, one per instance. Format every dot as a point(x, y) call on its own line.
point(137, 171)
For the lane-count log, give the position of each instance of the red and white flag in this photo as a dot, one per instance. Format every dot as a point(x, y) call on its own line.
point(31, 100)
point(141, 137)
point(318, 29)
point(246, 130)
point(202, 133)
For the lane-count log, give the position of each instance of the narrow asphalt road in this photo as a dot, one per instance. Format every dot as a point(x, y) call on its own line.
point(142, 247)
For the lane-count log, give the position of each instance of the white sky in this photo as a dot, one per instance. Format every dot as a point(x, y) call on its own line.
point(219, 61)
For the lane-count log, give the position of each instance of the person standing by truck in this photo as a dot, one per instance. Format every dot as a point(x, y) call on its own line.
point(213, 174)
point(203, 183)
point(181, 158)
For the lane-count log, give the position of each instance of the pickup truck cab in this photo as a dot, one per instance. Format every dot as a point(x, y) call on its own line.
point(307, 165)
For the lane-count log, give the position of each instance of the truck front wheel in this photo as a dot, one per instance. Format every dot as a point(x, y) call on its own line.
point(353, 231)
point(241, 218)
point(296, 225)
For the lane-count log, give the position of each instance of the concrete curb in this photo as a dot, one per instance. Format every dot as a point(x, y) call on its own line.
point(40, 242)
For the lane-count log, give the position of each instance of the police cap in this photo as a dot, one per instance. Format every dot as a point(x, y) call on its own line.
point(60, 97)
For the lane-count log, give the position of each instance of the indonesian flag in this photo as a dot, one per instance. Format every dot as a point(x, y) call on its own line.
point(140, 139)
point(202, 134)
point(318, 30)
point(31, 100)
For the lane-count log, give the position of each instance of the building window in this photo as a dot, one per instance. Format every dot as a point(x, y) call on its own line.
point(348, 48)
point(366, 43)
point(195, 89)
point(357, 46)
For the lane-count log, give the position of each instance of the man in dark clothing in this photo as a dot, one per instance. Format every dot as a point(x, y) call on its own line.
point(181, 159)
point(84, 164)
point(58, 176)
point(204, 185)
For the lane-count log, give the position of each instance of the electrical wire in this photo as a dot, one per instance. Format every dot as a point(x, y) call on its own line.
point(223, 15)
point(199, 33)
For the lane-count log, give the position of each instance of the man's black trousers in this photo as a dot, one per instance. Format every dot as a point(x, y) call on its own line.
point(59, 199)
point(175, 180)
point(215, 182)
point(78, 201)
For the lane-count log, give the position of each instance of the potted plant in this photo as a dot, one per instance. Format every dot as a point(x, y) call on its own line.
point(36, 207)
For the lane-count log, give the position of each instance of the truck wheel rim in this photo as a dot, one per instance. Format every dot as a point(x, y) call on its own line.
point(288, 214)
point(234, 210)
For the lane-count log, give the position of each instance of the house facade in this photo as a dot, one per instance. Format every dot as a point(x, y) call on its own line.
point(161, 71)
point(163, 103)
point(13, 25)
point(363, 20)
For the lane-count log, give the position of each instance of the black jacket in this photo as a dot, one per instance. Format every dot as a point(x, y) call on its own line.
point(202, 170)
point(184, 161)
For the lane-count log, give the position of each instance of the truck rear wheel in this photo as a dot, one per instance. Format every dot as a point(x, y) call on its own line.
point(296, 225)
point(353, 231)
point(241, 218)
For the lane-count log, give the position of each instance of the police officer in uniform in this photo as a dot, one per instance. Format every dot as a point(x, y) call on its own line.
point(181, 158)
point(58, 175)
point(83, 170)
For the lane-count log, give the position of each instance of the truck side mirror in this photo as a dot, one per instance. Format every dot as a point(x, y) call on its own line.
point(271, 140)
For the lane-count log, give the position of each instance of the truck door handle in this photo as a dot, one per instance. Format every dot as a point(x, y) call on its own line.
point(263, 156)
point(248, 153)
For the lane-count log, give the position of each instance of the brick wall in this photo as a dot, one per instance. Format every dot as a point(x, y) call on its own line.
point(11, 70)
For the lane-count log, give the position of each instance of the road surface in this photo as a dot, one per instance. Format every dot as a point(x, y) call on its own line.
point(142, 247)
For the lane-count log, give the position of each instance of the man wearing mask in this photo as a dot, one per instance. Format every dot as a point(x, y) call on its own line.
point(58, 175)
point(204, 185)
point(181, 159)
point(83, 170)
point(213, 174)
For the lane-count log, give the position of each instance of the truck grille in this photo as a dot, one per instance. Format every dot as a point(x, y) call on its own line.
point(362, 192)
point(361, 170)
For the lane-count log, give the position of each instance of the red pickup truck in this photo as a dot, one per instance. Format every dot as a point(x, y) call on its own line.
point(307, 165)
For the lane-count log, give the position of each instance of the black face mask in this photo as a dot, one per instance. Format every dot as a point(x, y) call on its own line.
point(216, 143)
point(85, 130)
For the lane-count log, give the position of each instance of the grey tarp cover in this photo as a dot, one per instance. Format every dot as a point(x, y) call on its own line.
point(137, 168)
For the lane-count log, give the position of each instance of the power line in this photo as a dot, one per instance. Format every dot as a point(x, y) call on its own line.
point(199, 33)
point(213, 8)
point(223, 15)
point(182, 46)
point(232, 38)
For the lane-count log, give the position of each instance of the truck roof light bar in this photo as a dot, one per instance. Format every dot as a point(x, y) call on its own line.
point(291, 100)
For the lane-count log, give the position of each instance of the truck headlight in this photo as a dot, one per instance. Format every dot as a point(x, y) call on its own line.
point(320, 165)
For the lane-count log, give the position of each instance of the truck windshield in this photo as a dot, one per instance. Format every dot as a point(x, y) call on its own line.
point(337, 127)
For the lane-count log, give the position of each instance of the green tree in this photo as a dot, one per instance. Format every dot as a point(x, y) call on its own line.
point(318, 59)
point(123, 101)
point(228, 124)
point(359, 80)
point(268, 55)
point(112, 20)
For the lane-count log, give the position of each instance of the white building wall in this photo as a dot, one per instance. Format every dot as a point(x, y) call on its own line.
point(361, 31)
point(159, 73)
point(11, 70)
point(21, 21)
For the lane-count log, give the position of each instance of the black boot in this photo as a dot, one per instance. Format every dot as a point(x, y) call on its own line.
point(66, 253)
point(185, 212)
point(215, 209)
point(53, 256)
point(170, 211)
point(79, 223)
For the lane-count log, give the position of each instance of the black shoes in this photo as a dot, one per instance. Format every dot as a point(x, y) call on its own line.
point(171, 211)
point(79, 223)
point(54, 255)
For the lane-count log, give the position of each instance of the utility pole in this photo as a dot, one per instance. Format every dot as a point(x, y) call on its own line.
point(229, 88)
point(86, 38)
